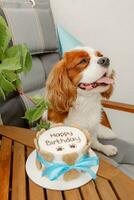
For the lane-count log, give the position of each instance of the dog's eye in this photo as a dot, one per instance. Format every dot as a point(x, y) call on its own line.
point(83, 61)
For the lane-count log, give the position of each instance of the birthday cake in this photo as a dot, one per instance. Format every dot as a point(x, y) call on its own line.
point(62, 152)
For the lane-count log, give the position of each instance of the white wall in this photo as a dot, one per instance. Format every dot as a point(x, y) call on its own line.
point(106, 25)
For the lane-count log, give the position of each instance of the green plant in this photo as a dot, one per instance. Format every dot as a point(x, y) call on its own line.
point(13, 61)
point(35, 114)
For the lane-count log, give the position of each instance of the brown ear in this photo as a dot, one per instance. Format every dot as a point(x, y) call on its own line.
point(61, 92)
point(109, 92)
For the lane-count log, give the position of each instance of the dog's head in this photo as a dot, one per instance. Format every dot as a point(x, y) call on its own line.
point(82, 69)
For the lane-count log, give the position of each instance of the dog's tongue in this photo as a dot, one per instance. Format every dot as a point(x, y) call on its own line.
point(106, 80)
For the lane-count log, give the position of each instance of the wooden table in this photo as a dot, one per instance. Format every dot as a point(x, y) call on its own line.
point(17, 143)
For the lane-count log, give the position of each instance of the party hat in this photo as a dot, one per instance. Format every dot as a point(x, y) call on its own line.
point(66, 40)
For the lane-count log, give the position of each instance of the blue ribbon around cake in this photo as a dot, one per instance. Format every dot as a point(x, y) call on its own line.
point(53, 170)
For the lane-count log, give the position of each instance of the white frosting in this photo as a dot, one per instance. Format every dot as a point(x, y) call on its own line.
point(61, 140)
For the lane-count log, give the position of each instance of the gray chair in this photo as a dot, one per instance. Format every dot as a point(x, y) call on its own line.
point(35, 27)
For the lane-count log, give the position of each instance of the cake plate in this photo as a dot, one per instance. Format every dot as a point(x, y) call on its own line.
point(35, 175)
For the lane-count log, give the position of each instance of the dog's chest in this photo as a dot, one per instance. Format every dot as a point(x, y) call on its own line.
point(86, 112)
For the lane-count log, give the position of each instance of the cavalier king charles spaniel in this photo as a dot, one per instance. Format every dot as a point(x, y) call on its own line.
point(75, 87)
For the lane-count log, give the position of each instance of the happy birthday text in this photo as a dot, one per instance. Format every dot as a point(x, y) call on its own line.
point(62, 138)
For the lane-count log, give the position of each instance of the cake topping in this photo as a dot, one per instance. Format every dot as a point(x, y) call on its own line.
point(62, 139)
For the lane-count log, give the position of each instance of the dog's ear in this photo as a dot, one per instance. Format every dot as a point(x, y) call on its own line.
point(61, 92)
point(107, 94)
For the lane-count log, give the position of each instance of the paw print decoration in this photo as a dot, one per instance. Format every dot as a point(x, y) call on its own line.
point(59, 148)
point(72, 145)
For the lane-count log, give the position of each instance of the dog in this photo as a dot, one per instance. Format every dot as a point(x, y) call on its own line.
point(75, 87)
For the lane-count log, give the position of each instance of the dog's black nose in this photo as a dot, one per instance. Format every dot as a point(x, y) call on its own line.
point(104, 61)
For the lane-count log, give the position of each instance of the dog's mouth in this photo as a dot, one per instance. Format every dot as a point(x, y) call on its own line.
point(103, 81)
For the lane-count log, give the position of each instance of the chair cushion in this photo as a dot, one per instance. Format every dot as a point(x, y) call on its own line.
point(42, 64)
point(32, 26)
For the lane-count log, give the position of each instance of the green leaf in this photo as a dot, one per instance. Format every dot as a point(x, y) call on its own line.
point(38, 99)
point(6, 85)
point(37, 114)
point(22, 52)
point(13, 51)
point(2, 93)
point(5, 35)
point(2, 21)
point(29, 114)
point(10, 76)
point(43, 125)
point(28, 63)
point(17, 83)
point(34, 114)
point(10, 64)
point(1, 54)
point(26, 59)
